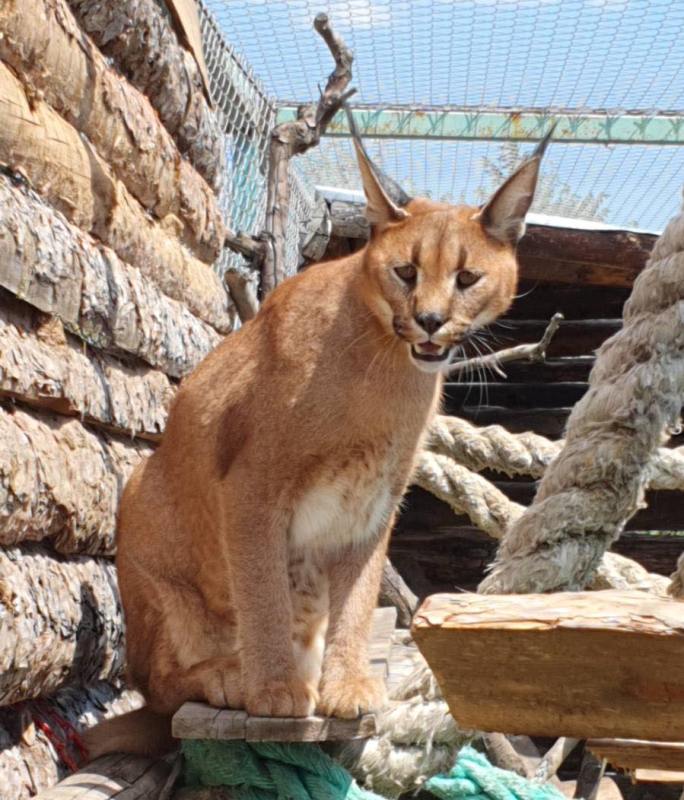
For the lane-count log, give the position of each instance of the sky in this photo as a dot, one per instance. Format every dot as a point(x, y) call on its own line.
point(579, 54)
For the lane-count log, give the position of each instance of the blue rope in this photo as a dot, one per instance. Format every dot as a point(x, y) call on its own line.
point(302, 771)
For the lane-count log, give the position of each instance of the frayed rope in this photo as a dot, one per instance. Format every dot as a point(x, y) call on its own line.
point(302, 771)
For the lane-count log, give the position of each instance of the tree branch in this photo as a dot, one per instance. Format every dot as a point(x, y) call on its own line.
point(522, 352)
point(293, 138)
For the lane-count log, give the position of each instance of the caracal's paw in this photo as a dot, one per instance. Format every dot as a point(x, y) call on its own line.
point(351, 697)
point(222, 687)
point(293, 698)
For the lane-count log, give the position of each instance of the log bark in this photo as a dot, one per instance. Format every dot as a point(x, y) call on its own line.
point(118, 775)
point(28, 760)
point(58, 62)
point(574, 664)
point(394, 592)
point(138, 36)
point(44, 367)
point(65, 169)
point(62, 482)
point(62, 623)
point(57, 269)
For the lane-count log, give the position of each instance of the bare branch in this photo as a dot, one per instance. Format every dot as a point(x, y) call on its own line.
point(523, 352)
point(293, 138)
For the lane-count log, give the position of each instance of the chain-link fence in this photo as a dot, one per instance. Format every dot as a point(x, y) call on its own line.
point(247, 116)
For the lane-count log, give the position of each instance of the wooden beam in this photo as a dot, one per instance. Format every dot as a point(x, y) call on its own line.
point(54, 267)
point(201, 721)
point(120, 776)
point(631, 754)
point(571, 664)
point(658, 776)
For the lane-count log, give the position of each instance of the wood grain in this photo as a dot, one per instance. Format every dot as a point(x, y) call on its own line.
point(631, 754)
point(584, 664)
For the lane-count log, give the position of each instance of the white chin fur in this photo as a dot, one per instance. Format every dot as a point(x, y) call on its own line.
point(431, 366)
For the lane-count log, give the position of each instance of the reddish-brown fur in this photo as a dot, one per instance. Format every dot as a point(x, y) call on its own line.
point(258, 529)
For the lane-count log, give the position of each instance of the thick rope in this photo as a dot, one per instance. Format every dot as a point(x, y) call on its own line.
point(598, 480)
point(499, 450)
point(302, 771)
point(676, 588)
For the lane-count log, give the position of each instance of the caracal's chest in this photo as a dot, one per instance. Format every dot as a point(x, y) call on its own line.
point(352, 496)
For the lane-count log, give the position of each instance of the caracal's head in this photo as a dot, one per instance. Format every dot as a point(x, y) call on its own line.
point(435, 272)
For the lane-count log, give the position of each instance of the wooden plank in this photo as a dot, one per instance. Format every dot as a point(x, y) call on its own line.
point(658, 776)
point(114, 776)
point(577, 664)
point(573, 369)
point(574, 337)
point(631, 754)
point(54, 267)
point(201, 721)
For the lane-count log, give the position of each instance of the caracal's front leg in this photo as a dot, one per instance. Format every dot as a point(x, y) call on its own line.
point(257, 546)
point(347, 688)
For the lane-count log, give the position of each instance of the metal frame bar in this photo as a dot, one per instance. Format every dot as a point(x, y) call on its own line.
point(473, 124)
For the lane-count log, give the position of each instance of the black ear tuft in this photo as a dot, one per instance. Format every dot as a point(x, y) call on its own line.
point(392, 189)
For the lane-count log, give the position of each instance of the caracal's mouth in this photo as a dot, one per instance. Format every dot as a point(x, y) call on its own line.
point(430, 352)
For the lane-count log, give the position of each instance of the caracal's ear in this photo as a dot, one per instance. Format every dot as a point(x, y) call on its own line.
point(385, 198)
point(503, 216)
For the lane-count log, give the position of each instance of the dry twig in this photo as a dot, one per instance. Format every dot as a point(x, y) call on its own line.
point(293, 138)
point(523, 352)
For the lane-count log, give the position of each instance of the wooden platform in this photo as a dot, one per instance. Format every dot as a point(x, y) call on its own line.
point(583, 664)
point(201, 721)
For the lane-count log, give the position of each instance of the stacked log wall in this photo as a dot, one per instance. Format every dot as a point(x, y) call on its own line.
point(109, 225)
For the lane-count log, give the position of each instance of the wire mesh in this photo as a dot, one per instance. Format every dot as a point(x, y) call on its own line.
point(617, 55)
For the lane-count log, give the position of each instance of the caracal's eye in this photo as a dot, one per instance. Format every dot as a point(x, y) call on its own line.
point(407, 272)
point(466, 278)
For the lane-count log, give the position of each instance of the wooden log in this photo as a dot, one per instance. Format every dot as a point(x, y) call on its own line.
point(62, 623)
point(631, 754)
point(57, 269)
point(201, 721)
point(120, 776)
point(46, 368)
point(62, 482)
point(574, 664)
point(562, 394)
point(65, 169)
point(395, 593)
point(61, 64)
point(138, 36)
point(29, 763)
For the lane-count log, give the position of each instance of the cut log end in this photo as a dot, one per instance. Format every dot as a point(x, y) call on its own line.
point(572, 664)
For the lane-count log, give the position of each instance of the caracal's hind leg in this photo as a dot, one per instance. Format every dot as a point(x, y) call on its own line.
point(180, 651)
